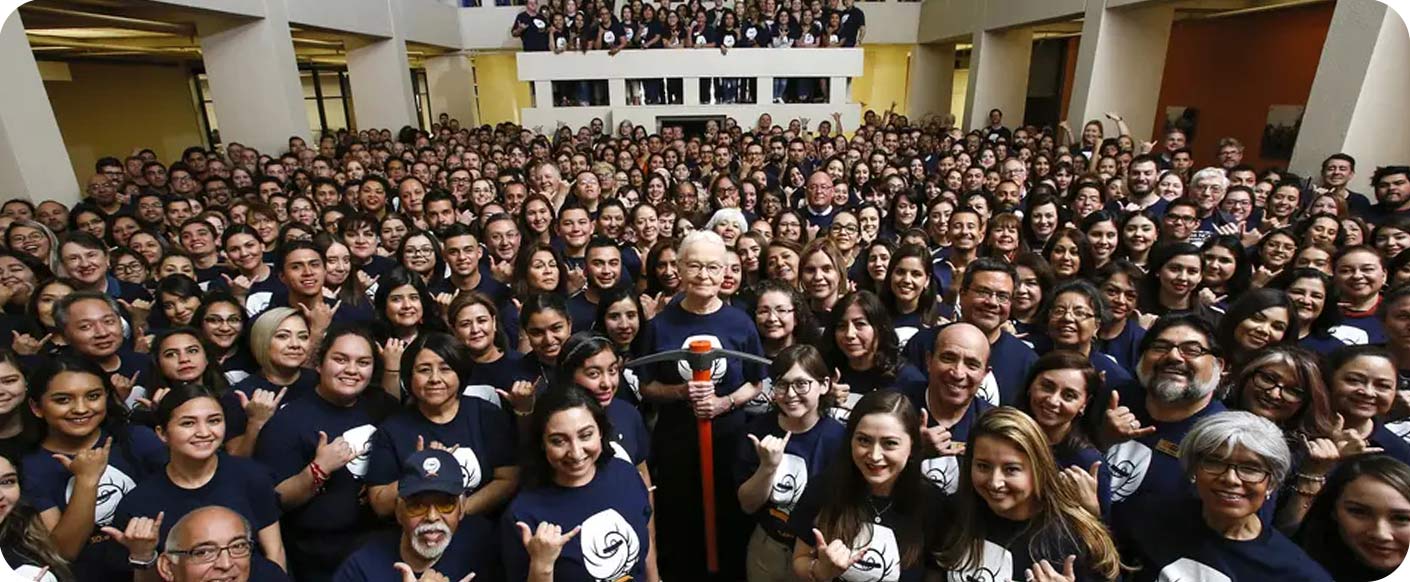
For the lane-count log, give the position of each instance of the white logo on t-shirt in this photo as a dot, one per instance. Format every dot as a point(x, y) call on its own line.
point(469, 468)
point(1187, 570)
point(1128, 462)
point(790, 479)
point(943, 472)
point(881, 560)
point(718, 367)
point(996, 564)
point(609, 544)
point(113, 486)
point(360, 439)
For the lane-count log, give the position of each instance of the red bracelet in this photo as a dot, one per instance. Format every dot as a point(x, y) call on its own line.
point(319, 476)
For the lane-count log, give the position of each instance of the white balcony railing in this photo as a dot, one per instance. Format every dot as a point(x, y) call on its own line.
point(826, 73)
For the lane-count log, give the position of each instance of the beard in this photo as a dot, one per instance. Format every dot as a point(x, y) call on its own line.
point(431, 552)
point(1171, 390)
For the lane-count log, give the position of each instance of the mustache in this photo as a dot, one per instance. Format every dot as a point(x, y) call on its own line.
point(437, 527)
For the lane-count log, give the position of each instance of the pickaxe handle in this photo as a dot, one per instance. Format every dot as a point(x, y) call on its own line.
point(706, 432)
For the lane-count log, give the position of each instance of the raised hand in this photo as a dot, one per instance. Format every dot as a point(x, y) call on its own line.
point(1121, 423)
point(577, 279)
point(430, 575)
point(140, 537)
point(520, 396)
point(151, 403)
point(239, 285)
point(839, 391)
point(501, 270)
point(260, 407)
point(334, 455)
point(1045, 572)
point(392, 351)
point(546, 542)
point(367, 280)
point(1262, 275)
point(321, 316)
point(87, 466)
point(938, 437)
point(26, 345)
point(1208, 297)
point(123, 384)
point(444, 299)
point(770, 450)
point(1340, 444)
point(139, 309)
point(1086, 484)
point(834, 557)
point(1146, 320)
point(650, 305)
point(144, 344)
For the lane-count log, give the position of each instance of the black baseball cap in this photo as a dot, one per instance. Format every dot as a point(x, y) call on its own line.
point(431, 470)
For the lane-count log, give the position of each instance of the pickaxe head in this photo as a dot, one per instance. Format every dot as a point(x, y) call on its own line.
point(699, 356)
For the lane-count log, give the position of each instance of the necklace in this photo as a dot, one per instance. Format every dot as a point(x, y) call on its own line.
point(876, 513)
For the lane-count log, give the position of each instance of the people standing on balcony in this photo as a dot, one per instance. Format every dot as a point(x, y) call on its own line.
point(531, 27)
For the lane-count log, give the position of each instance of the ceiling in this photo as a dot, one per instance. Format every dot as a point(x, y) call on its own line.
point(136, 31)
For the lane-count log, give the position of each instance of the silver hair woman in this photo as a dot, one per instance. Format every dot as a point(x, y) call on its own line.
point(729, 223)
point(1235, 461)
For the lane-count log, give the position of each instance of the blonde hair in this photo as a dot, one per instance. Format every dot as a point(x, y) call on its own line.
point(1059, 523)
point(262, 332)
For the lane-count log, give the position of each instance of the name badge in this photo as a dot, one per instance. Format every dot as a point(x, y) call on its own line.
point(1169, 448)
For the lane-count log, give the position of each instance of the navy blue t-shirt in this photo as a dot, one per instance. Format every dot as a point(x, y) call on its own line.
point(1368, 322)
point(804, 459)
point(1008, 550)
point(582, 311)
point(882, 559)
point(1150, 465)
point(632, 443)
point(613, 511)
point(235, 419)
point(1169, 540)
point(731, 329)
point(473, 549)
point(47, 484)
point(1125, 347)
point(479, 431)
point(240, 485)
point(1082, 459)
point(485, 377)
point(320, 533)
point(944, 471)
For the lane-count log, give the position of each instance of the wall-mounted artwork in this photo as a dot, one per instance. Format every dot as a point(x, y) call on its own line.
point(1184, 118)
point(1280, 133)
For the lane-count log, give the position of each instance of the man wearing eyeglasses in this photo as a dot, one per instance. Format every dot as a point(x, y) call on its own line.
point(210, 543)
point(1180, 368)
point(433, 537)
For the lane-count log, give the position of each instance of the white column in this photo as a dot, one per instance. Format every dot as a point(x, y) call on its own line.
point(998, 75)
point(1358, 101)
point(33, 161)
point(932, 79)
point(254, 79)
point(690, 91)
point(837, 93)
point(617, 92)
point(1120, 63)
point(452, 86)
point(380, 78)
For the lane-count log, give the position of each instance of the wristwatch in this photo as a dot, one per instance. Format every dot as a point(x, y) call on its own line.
point(142, 564)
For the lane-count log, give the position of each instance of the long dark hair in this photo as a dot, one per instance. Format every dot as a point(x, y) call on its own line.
point(1089, 421)
point(887, 360)
point(1245, 307)
point(1330, 315)
point(23, 538)
point(212, 377)
point(211, 299)
point(845, 506)
point(1238, 282)
point(927, 305)
point(578, 349)
point(399, 276)
point(617, 295)
point(537, 472)
point(1320, 535)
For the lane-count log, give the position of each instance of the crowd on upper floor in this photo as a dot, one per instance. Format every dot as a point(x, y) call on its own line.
point(566, 25)
point(1008, 353)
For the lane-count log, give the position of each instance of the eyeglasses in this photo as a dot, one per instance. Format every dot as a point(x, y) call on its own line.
point(801, 386)
point(1268, 382)
point(780, 312)
point(846, 228)
point(216, 320)
point(1186, 218)
point(1190, 349)
point(1246, 473)
point(444, 505)
point(207, 553)
point(1078, 313)
point(127, 268)
point(414, 251)
point(712, 269)
point(33, 237)
point(998, 296)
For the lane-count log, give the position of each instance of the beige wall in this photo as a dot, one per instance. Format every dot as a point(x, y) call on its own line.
point(112, 109)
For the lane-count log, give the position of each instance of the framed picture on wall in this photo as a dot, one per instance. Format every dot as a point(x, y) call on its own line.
point(1280, 133)
point(1183, 118)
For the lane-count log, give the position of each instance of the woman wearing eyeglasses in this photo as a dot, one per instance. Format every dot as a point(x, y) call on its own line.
point(700, 315)
point(1073, 314)
point(1236, 460)
point(221, 320)
point(786, 449)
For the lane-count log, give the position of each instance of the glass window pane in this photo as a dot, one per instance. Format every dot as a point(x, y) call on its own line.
point(329, 81)
point(337, 116)
point(306, 80)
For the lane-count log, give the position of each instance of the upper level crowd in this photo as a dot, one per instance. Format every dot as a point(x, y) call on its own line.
point(566, 25)
point(1014, 353)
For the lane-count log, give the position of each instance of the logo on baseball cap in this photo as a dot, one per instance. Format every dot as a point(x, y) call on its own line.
point(430, 470)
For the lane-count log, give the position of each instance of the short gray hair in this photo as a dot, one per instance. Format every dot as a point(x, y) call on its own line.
point(172, 537)
point(700, 237)
point(61, 308)
point(734, 215)
point(1210, 174)
point(1223, 432)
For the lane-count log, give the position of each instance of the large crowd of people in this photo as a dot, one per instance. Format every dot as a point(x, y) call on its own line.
point(1013, 353)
